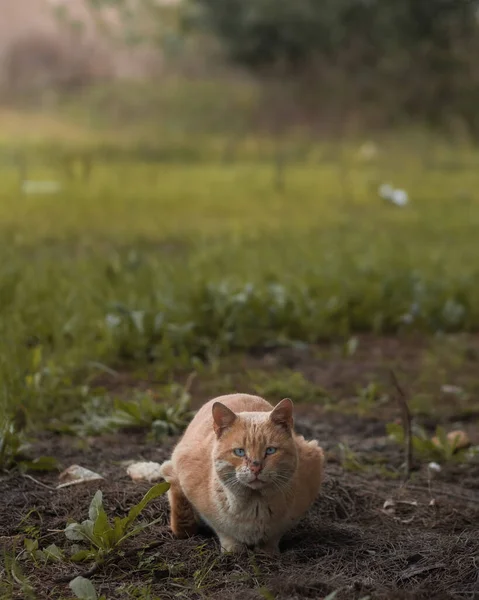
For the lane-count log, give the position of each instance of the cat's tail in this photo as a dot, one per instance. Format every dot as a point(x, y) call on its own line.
point(168, 472)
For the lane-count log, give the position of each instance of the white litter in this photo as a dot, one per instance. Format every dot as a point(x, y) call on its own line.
point(399, 198)
point(75, 475)
point(144, 471)
point(41, 187)
point(433, 466)
point(451, 389)
point(394, 195)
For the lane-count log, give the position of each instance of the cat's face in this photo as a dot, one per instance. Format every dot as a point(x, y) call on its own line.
point(254, 449)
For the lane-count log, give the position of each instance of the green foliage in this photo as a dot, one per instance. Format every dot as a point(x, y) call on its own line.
point(103, 538)
point(14, 451)
point(370, 397)
point(268, 32)
point(286, 384)
point(13, 578)
point(169, 268)
point(350, 460)
point(99, 414)
point(84, 589)
point(424, 42)
point(49, 554)
point(441, 449)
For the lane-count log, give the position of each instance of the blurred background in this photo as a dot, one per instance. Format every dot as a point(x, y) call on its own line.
point(184, 179)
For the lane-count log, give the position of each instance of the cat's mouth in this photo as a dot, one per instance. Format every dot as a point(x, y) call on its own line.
point(255, 484)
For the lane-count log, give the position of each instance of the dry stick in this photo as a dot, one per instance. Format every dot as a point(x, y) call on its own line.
point(445, 493)
point(406, 419)
point(43, 485)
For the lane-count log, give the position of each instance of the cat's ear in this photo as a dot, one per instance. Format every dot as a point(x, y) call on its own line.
point(223, 417)
point(282, 414)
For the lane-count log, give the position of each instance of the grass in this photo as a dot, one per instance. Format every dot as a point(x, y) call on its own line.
point(165, 252)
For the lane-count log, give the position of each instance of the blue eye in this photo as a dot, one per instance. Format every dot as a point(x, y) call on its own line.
point(239, 452)
point(270, 450)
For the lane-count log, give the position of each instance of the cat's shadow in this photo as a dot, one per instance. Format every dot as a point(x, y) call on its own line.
point(318, 541)
point(308, 543)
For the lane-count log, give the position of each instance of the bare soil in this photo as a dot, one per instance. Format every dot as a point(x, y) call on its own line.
point(423, 544)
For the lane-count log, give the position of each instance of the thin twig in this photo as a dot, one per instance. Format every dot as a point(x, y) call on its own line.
point(88, 573)
point(406, 419)
point(445, 493)
point(43, 485)
point(189, 381)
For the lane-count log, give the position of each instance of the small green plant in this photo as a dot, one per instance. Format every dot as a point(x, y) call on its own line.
point(369, 397)
point(143, 411)
point(436, 448)
point(84, 589)
point(14, 451)
point(350, 461)
point(51, 553)
point(103, 538)
point(287, 384)
point(12, 577)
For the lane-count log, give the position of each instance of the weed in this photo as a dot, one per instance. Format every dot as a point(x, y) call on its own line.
point(370, 397)
point(103, 538)
point(350, 460)
point(436, 448)
point(286, 384)
point(14, 452)
point(12, 577)
point(100, 414)
point(84, 589)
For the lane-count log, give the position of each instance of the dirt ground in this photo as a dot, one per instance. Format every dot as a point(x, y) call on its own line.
point(423, 544)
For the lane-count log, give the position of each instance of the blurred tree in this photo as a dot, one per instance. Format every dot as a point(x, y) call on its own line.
point(260, 33)
point(414, 58)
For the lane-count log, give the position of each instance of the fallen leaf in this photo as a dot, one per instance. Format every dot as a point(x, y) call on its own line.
point(75, 474)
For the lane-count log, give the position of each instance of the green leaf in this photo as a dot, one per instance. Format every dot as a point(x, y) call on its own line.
point(101, 528)
point(30, 545)
point(42, 463)
point(442, 437)
point(53, 552)
point(118, 530)
point(74, 532)
point(396, 431)
point(83, 589)
point(82, 555)
point(96, 506)
point(154, 492)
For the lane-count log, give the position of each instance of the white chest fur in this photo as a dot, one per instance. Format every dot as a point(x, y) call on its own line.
point(249, 518)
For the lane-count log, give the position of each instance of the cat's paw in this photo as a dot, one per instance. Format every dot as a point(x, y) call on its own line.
point(230, 545)
point(270, 548)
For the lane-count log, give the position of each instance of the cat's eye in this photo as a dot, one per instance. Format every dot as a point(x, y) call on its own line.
point(239, 452)
point(270, 450)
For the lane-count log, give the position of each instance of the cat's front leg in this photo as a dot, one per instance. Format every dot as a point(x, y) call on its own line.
point(228, 544)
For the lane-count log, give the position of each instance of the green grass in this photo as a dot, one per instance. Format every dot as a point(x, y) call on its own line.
point(184, 260)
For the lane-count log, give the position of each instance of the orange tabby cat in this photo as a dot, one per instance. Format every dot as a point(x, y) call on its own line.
point(242, 470)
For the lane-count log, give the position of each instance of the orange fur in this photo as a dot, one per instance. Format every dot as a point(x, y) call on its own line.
point(250, 500)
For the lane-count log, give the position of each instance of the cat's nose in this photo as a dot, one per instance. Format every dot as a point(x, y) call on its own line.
point(255, 467)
